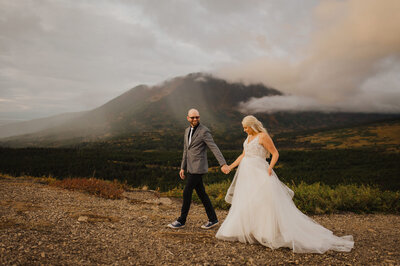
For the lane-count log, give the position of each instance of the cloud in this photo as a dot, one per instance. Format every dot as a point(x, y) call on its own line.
point(280, 103)
point(62, 56)
point(292, 103)
point(352, 45)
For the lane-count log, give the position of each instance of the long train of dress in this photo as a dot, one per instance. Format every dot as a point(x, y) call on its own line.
point(263, 211)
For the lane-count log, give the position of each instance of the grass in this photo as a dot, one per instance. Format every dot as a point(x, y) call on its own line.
point(381, 134)
point(319, 198)
point(316, 198)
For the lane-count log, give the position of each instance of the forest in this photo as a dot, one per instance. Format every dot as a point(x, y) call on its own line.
point(159, 169)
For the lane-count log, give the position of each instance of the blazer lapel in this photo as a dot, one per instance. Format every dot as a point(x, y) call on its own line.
point(195, 134)
point(187, 130)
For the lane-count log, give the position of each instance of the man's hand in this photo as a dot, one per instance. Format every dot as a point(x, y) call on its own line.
point(182, 174)
point(225, 169)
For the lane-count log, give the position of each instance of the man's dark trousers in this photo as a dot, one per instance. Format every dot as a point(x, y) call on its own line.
point(195, 181)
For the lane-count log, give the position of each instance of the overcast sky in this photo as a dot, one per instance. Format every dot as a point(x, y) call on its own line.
point(65, 55)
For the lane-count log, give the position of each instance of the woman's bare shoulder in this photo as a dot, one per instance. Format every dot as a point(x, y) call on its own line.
point(263, 135)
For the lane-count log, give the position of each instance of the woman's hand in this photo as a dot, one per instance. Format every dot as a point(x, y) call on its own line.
point(270, 170)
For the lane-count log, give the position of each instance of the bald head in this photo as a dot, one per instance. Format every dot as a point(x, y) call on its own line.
point(193, 112)
point(193, 117)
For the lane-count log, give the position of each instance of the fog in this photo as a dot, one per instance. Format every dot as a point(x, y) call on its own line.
point(351, 62)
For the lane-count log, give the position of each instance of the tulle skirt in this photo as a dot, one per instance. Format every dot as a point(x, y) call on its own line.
point(263, 212)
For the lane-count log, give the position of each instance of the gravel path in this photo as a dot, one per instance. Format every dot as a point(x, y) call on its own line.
point(40, 224)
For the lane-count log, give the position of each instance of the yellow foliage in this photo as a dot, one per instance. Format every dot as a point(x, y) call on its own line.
point(383, 135)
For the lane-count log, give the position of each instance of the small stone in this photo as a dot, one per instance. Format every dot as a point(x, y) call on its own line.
point(83, 219)
point(165, 201)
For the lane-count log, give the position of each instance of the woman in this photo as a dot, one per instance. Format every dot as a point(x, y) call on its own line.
point(262, 209)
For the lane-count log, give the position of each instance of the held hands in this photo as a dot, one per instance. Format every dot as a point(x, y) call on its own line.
point(225, 169)
point(182, 174)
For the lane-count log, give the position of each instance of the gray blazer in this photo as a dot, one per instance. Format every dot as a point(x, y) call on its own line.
point(194, 159)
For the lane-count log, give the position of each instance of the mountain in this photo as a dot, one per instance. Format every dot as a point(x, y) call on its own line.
point(35, 125)
point(159, 111)
point(8, 121)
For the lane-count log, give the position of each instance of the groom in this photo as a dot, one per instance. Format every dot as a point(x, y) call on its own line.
point(194, 160)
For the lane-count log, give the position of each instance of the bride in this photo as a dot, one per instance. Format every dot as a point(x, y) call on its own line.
point(262, 209)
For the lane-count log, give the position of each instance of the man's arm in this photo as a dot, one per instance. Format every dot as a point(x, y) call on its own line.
point(208, 139)
point(184, 157)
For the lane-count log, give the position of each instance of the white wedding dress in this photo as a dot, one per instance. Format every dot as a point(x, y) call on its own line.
point(263, 212)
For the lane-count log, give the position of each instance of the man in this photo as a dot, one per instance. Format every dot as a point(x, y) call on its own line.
point(194, 160)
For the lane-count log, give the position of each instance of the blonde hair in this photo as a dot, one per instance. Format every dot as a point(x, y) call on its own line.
point(256, 125)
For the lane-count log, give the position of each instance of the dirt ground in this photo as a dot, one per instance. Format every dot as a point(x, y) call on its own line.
point(40, 224)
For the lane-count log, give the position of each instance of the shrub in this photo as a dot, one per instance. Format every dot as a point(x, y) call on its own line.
point(102, 188)
point(319, 198)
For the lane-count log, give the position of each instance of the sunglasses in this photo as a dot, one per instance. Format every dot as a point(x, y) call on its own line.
point(194, 117)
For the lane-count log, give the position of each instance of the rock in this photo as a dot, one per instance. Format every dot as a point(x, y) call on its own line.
point(159, 201)
point(83, 219)
point(165, 201)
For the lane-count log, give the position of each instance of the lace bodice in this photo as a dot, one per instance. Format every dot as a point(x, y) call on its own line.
point(254, 148)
